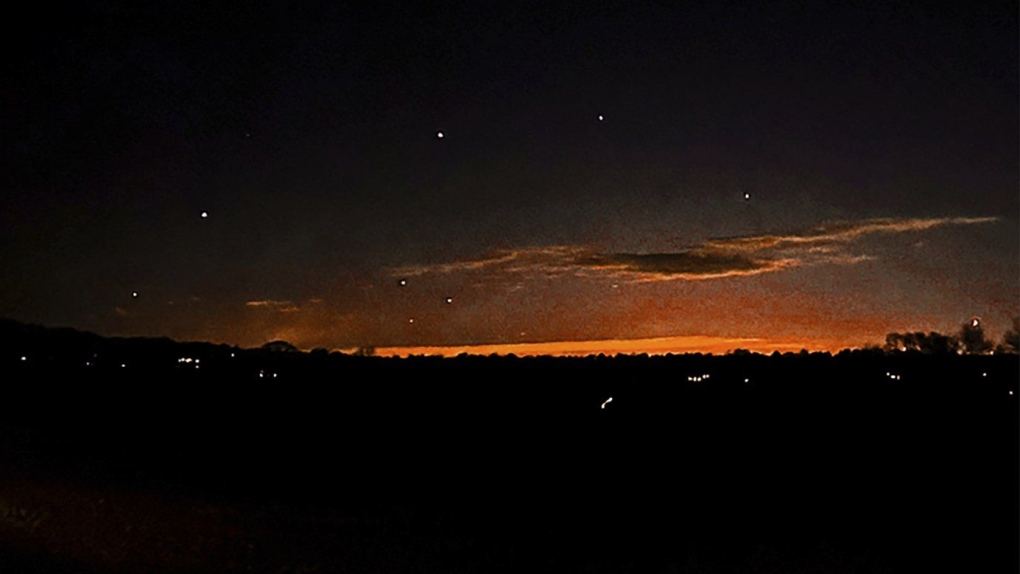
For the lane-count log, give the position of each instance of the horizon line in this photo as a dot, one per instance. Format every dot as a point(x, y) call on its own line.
point(684, 344)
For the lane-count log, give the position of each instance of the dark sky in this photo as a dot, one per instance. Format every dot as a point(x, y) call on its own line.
point(589, 185)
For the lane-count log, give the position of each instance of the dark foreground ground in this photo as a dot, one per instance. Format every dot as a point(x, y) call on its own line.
point(346, 464)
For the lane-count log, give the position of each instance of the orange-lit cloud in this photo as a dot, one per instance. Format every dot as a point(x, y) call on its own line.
point(279, 306)
point(713, 259)
point(839, 232)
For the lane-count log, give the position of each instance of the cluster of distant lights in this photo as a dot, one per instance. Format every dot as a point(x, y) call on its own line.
point(182, 361)
point(188, 361)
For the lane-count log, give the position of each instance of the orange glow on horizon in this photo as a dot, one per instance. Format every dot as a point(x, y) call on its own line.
point(652, 346)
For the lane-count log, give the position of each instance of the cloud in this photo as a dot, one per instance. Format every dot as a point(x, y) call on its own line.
point(511, 260)
point(716, 258)
point(279, 306)
point(691, 264)
point(839, 232)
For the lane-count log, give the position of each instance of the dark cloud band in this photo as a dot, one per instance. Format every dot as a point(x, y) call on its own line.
point(715, 258)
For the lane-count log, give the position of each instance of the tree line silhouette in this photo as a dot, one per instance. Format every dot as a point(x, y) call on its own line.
point(970, 339)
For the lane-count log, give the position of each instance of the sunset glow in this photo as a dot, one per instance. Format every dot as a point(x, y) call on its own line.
point(454, 183)
point(654, 346)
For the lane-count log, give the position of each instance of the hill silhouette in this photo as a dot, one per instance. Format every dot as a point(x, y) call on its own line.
point(213, 458)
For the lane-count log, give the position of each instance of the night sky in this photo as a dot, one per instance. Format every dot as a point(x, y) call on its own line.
point(635, 177)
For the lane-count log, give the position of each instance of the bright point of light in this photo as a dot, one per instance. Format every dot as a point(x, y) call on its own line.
point(747, 196)
point(747, 380)
point(439, 135)
point(204, 215)
point(24, 358)
point(123, 366)
point(134, 294)
point(606, 402)
point(1011, 392)
point(274, 375)
point(231, 355)
point(410, 320)
point(449, 300)
point(974, 322)
point(403, 282)
point(984, 374)
point(600, 117)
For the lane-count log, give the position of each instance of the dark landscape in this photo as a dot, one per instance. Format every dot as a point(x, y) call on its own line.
point(122, 456)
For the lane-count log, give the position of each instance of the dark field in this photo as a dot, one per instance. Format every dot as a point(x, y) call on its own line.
point(817, 463)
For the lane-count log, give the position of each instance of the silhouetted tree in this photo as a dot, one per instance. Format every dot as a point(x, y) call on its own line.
point(939, 344)
point(280, 346)
point(930, 344)
point(972, 338)
point(1011, 338)
point(367, 351)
